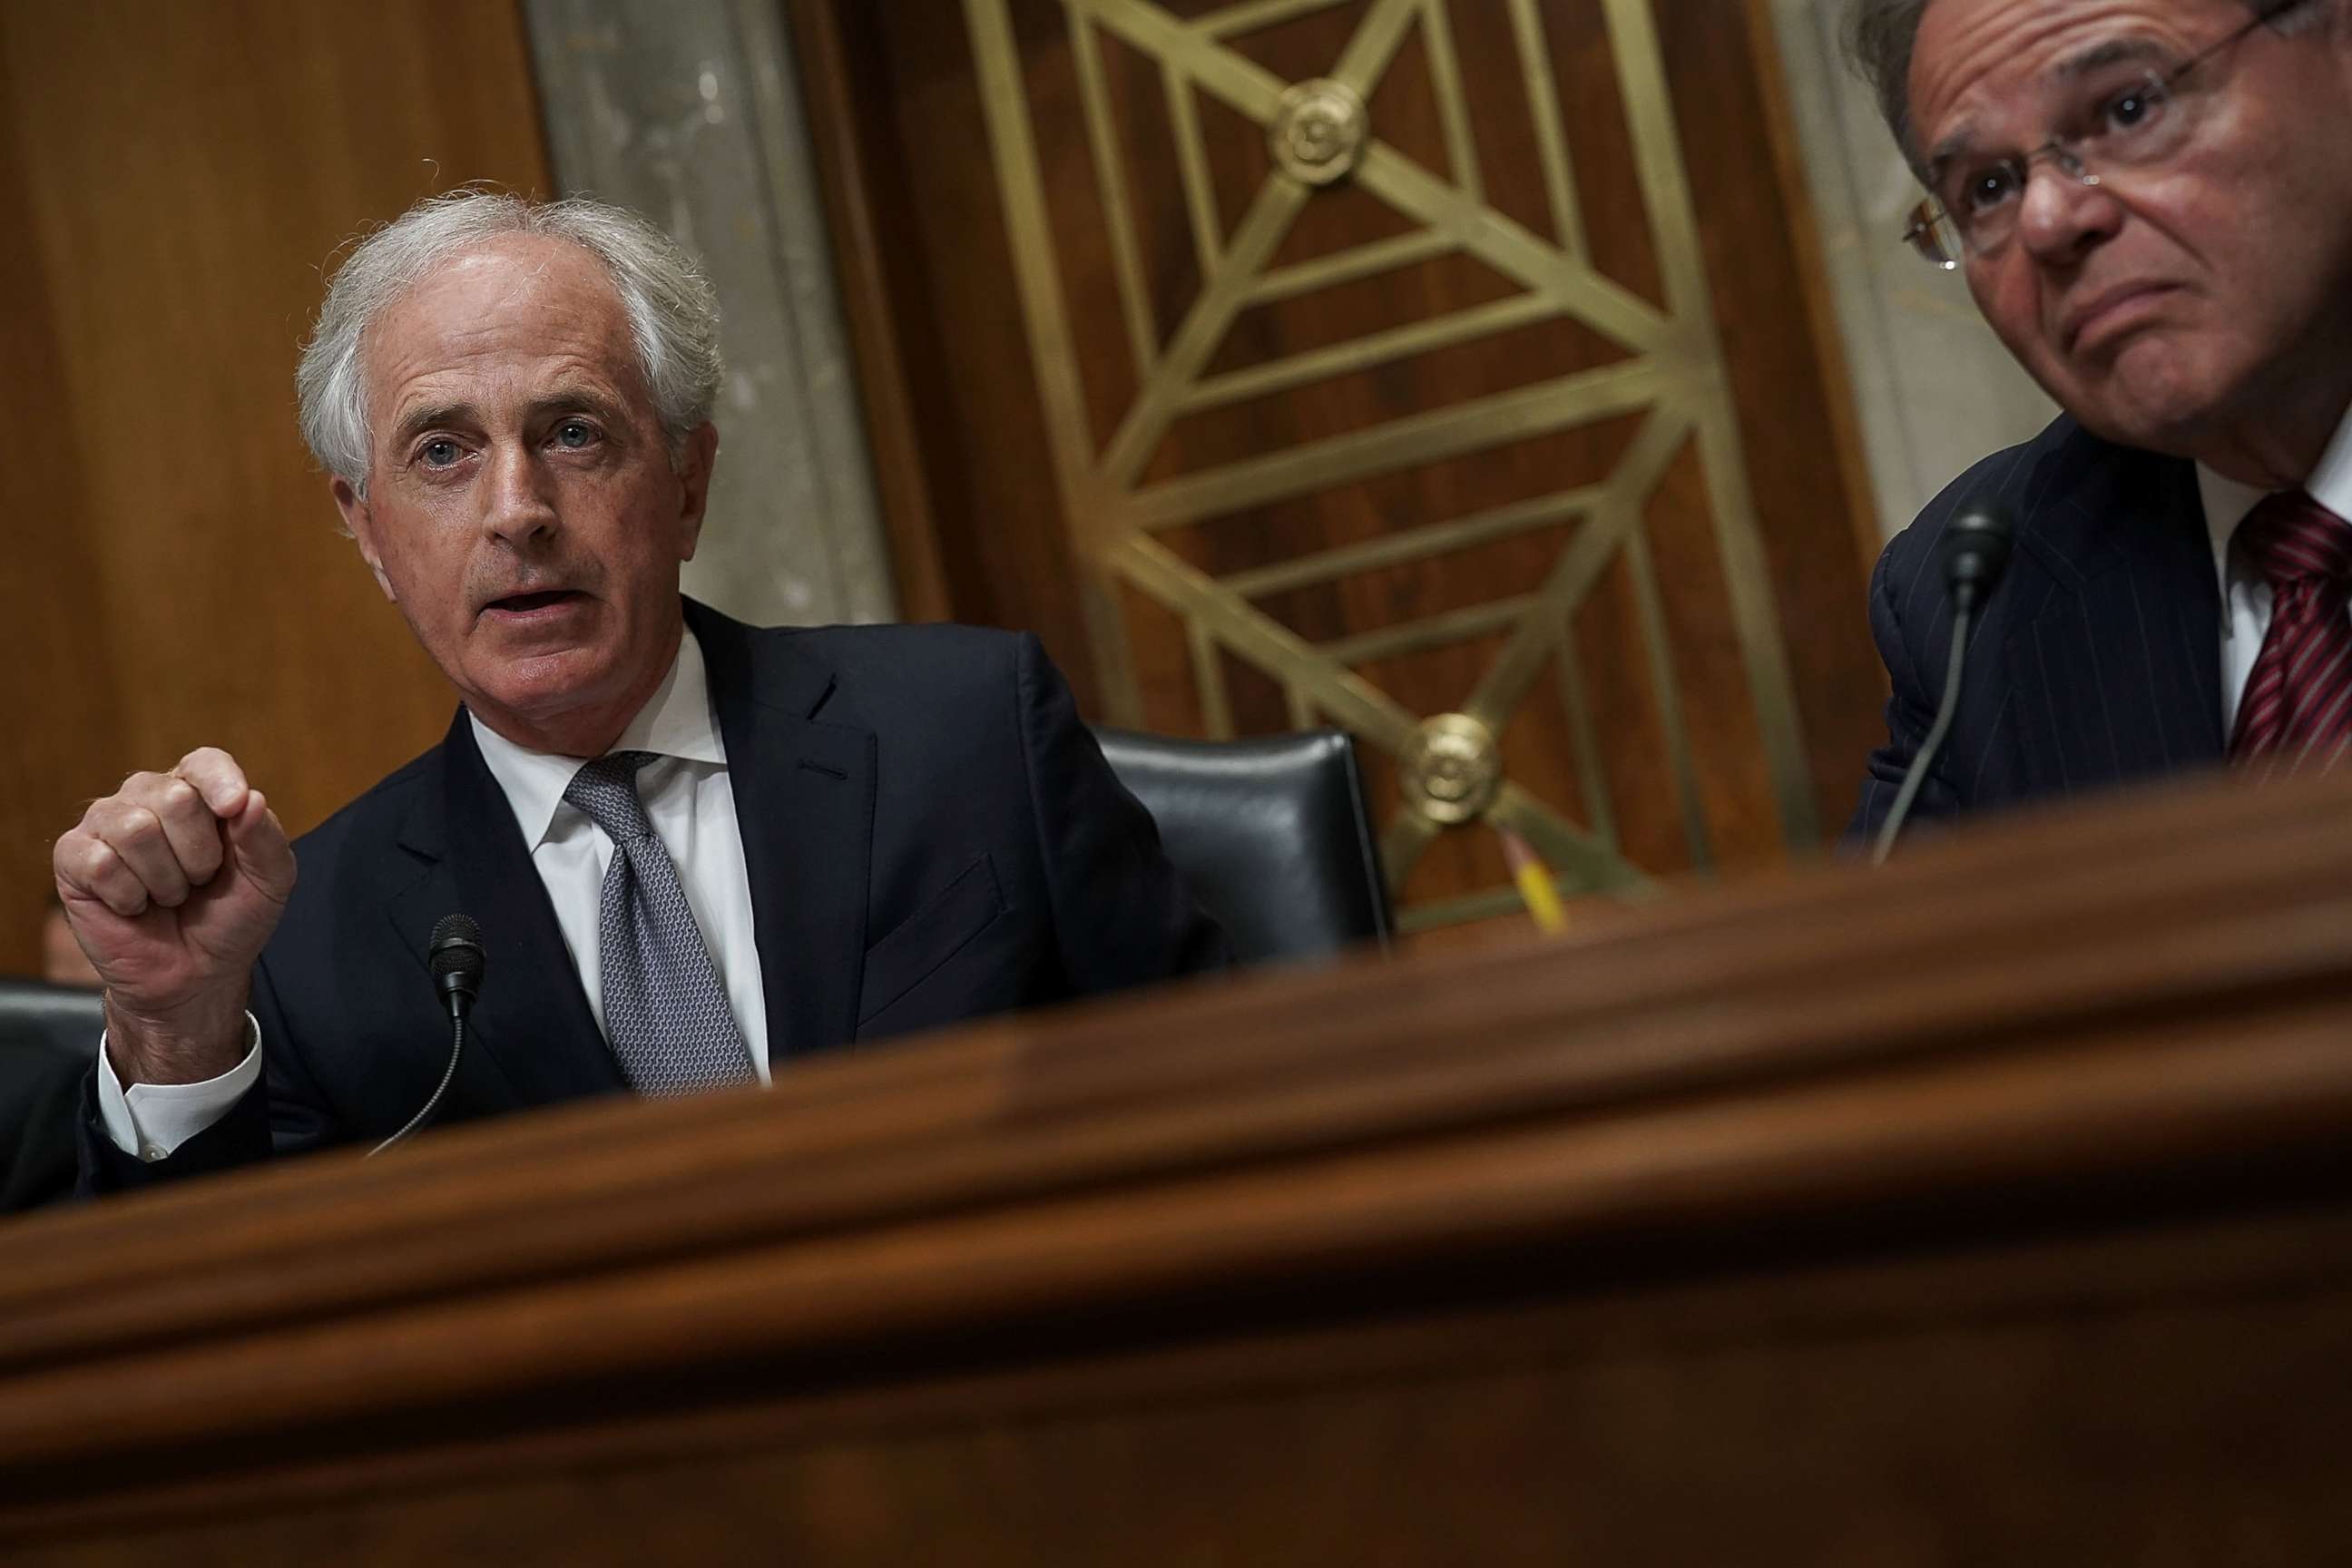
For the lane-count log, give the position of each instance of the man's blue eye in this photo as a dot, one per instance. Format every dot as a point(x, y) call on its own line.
point(439, 453)
point(574, 432)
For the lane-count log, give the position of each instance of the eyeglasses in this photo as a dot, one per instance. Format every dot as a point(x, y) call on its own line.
point(2122, 117)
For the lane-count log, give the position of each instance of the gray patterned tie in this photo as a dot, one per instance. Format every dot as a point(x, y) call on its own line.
point(665, 1012)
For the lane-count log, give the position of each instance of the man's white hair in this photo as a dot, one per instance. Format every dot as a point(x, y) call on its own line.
point(672, 310)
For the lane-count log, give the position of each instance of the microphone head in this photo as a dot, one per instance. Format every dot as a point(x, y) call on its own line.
point(1976, 550)
point(455, 956)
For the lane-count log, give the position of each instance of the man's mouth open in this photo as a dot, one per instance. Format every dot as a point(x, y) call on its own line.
point(545, 604)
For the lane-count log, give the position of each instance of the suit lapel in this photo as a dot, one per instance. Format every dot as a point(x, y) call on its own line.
point(805, 804)
point(2117, 673)
point(531, 1024)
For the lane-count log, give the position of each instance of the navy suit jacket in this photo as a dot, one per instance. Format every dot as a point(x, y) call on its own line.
point(930, 835)
point(2096, 661)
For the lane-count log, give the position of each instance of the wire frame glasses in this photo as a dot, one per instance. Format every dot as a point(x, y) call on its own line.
point(2123, 118)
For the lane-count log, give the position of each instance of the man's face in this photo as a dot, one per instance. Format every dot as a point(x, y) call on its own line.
point(523, 509)
point(2164, 301)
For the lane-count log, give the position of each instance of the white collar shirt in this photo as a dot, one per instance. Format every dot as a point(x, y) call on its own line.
point(691, 805)
point(2245, 592)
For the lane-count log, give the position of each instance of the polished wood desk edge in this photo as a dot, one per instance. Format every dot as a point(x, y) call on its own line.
point(2197, 1017)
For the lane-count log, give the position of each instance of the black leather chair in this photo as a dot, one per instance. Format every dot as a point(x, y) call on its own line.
point(1272, 833)
point(49, 1034)
point(61, 1017)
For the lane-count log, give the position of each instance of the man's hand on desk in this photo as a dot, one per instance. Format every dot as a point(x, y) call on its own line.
point(172, 884)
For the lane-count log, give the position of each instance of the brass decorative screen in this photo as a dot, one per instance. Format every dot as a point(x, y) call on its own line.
point(1665, 381)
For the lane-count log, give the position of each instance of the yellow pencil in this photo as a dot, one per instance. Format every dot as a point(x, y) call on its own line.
point(1534, 877)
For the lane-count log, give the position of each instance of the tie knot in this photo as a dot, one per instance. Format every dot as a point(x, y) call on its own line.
point(606, 790)
point(2291, 537)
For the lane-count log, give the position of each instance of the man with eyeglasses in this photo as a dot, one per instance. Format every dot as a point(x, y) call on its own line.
point(2151, 201)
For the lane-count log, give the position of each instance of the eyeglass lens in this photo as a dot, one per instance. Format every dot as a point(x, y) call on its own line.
point(2127, 117)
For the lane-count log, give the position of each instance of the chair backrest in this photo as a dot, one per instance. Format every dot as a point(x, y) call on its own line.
point(1272, 835)
point(35, 1012)
point(48, 1035)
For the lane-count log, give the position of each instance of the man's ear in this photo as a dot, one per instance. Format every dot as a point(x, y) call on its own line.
point(695, 462)
point(359, 521)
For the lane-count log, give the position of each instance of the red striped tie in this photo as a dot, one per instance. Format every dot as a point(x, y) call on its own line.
point(2297, 709)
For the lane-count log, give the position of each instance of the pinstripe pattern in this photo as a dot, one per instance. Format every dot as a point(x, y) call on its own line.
point(2096, 661)
point(2297, 707)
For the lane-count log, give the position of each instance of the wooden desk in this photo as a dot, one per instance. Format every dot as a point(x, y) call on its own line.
point(1992, 1208)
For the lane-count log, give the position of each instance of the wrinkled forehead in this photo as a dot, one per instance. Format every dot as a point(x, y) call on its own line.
point(505, 276)
point(1978, 66)
point(508, 302)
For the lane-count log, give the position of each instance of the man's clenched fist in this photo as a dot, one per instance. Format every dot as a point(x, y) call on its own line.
point(172, 884)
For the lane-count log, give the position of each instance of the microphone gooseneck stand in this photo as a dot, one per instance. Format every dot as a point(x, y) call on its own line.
point(454, 956)
point(1975, 549)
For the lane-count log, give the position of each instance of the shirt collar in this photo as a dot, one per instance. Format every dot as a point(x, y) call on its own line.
point(2227, 501)
point(675, 721)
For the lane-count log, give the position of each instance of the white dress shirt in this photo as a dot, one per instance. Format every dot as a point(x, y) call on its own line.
point(2245, 592)
point(692, 808)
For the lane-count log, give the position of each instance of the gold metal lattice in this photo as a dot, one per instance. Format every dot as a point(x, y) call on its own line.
point(1674, 381)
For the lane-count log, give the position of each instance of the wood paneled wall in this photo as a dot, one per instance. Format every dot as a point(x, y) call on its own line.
point(1250, 455)
point(172, 180)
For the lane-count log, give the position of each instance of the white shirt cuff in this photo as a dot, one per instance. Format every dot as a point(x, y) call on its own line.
point(153, 1119)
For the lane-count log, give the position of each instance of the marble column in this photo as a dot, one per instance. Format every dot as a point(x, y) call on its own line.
point(691, 111)
point(1933, 387)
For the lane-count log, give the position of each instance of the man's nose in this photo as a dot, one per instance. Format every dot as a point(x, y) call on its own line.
point(2061, 217)
point(521, 503)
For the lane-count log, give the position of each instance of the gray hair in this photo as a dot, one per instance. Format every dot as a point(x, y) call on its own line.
point(672, 310)
point(1879, 35)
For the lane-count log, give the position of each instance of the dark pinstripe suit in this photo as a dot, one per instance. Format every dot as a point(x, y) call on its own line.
point(2096, 661)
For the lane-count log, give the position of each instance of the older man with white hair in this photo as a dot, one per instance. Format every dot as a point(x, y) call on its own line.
point(2151, 201)
point(694, 848)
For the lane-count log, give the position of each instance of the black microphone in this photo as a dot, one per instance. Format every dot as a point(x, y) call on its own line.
point(454, 954)
point(1975, 551)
